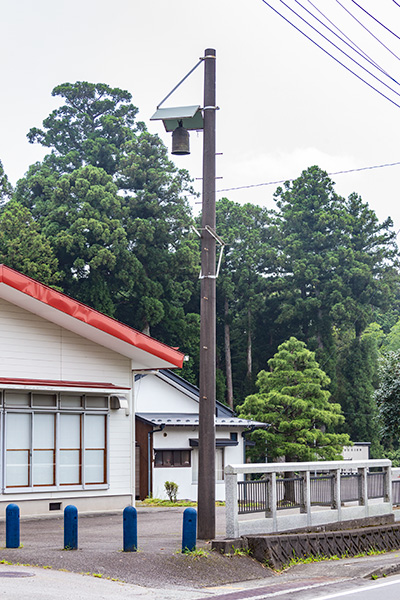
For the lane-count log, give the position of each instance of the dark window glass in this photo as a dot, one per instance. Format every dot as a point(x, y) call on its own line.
point(172, 458)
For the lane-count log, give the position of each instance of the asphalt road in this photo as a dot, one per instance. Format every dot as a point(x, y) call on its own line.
point(389, 589)
point(159, 571)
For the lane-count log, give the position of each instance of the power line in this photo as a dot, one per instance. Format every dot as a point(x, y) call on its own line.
point(254, 185)
point(329, 54)
point(351, 45)
point(372, 17)
point(366, 29)
point(349, 39)
point(337, 47)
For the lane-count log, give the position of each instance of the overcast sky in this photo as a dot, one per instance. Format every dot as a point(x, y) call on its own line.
point(284, 104)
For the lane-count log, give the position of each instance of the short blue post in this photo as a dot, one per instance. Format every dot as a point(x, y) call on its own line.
point(12, 526)
point(130, 529)
point(70, 527)
point(189, 530)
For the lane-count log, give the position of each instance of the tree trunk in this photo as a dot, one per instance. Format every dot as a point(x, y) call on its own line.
point(289, 493)
point(289, 496)
point(249, 348)
point(228, 359)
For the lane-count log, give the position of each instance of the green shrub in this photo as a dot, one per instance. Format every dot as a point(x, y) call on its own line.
point(171, 489)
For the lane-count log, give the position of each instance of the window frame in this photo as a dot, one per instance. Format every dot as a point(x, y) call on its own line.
point(173, 451)
point(57, 410)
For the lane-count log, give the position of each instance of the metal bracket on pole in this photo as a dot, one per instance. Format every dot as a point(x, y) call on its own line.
point(221, 244)
point(180, 83)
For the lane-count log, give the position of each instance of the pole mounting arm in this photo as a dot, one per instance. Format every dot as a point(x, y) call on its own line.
point(221, 244)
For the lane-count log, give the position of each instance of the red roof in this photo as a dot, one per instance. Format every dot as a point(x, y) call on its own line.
point(67, 305)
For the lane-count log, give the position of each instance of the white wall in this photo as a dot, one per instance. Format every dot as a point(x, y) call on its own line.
point(32, 347)
point(178, 438)
point(155, 395)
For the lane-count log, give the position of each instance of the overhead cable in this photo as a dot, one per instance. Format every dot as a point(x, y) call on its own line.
point(367, 30)
point(350, 45)
point(348, 38)
point(331, 55)
point(338, 48)
point(254, 185)
point(372, 17)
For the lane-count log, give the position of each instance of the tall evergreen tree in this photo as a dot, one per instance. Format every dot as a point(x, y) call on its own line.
point(249, 256)
point(5, 186)
point(90, 128)
point(337, 262)
point(387, 397)
point(24, 248)
point(294, 402)
point(357, 379)
point(114, 208)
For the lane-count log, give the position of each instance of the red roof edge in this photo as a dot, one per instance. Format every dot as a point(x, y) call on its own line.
point(88, 315)
point(57, 383)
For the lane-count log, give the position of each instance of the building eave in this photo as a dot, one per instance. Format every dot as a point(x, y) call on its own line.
point(62, 310)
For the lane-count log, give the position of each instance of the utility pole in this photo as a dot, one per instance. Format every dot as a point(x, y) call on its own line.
point(206, 478)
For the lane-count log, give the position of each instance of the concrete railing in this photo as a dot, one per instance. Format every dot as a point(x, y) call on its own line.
point(296, 499)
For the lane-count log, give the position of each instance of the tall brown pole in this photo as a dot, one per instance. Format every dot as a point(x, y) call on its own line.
point(206, 480)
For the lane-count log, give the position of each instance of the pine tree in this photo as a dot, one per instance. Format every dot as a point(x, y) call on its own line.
point(294, 403)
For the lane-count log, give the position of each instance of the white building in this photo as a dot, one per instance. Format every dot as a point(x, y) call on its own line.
point(167, 409)
point(67, 429)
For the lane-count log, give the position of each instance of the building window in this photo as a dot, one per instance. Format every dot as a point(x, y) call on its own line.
point(51, 447)
point(219, 465)
point(70, 449)
point(172, 458)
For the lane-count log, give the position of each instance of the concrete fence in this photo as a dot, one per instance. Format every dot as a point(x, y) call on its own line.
point(294, 495)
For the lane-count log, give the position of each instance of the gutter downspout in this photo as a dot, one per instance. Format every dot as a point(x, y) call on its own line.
point(150, 433)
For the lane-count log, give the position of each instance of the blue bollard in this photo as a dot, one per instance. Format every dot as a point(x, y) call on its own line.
point(189, 530)
point(130, 529)
point(70, 527)
point(12, 526)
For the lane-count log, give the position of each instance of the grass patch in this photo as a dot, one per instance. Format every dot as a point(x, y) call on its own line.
point(304, 560)
point(161, 502)
point(240, 552)
point(197, 553)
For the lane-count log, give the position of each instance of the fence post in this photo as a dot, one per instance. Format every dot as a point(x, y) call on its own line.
point(70, 527)
point(189, 530)
point(272, 504)
point(305, 500)
point(336, 495)
point(231, 503)
point(387, 485)
point(363, 487)
point(130, 529)
point(12, 526)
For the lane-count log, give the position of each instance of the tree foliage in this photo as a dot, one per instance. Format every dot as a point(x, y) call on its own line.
point(357, 379)
point(24, 248)
point(387, 397)
point(249, 256)
point(113, 207)
point(105, 215)
point(90, 128)
point(294, 403)
point(337, 261)
point(5, 186)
